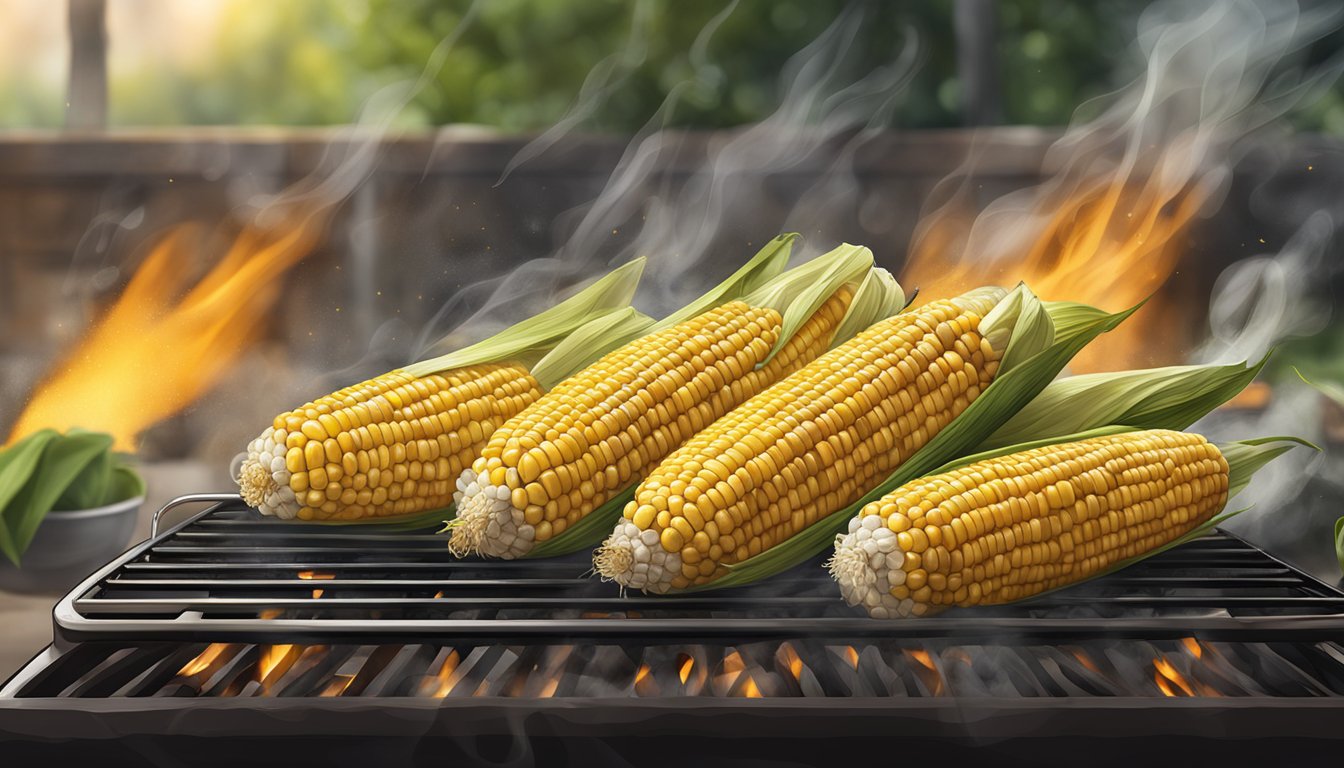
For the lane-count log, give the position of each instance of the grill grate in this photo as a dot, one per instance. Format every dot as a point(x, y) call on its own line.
point(1186, 668)
point(224, 575)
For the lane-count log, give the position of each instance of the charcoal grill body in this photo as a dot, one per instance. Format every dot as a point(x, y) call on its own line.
point(554, 668)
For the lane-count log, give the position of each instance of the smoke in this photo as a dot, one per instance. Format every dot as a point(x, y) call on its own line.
point(1214, 77)
point(698, 204)
point(1260, 301)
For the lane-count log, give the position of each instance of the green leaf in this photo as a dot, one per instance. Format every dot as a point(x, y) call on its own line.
point(124, 484)
point(1154, 398)
point(1004, 397)
point(60, 465)
point(18, 463)
point(1246, 457)
point(1020, 325)
point(612, 330)
point(798, 293)
point(1339, 542)
point(588, 532)
point(90, 487)
point(879, 296)
point(1070, 316)
point(1330, 389)
point(589, 342)
point(759, 270)
point(529, 339)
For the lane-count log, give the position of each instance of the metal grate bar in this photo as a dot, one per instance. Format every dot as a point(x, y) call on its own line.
point(226, 574)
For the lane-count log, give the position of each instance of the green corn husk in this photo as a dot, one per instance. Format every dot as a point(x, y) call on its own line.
point(590, 342)
point(1156, 398)
point(527, 341)
point(796, 294)
point(1021, 323)
point(879, 296)
point(1330, 389)
point(1011, 389)
point(600, 311)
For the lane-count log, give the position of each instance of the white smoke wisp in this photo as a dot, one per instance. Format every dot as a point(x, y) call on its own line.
point(1256, 304)
point(680, 197)
point(1136, 167)
point(1260, 301)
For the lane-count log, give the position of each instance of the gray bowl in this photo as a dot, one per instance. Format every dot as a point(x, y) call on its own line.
point(69, 546)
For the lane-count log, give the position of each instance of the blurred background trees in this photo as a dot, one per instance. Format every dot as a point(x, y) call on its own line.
point(520, 64)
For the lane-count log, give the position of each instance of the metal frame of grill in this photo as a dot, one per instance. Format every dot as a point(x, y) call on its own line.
point(215, 574)
point(111, 686)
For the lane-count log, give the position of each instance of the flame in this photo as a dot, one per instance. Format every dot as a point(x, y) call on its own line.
point(852, 656)
point(750, 690)
point(645, 685)
point(684, 668)
point(273, 658)
point(337, 685)
point(792, 660)
point(1164, 669)
point(267, 614)
point(923, 658)
point(152, 354)
point(204, 660)
point(316, 575)
point(1192, 645)
point(1086, 661)
point(548, 690)
point(447, 678)
point(1108, 239)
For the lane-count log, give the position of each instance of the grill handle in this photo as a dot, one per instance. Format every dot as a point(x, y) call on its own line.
point(190, 498)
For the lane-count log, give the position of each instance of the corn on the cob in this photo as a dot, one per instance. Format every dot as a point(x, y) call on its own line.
point(804, 448)
point(1017, 525)
point(595, 435)
point(394, 445)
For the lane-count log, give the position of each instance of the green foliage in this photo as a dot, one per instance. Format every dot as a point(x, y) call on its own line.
point(49, 471)
point(520, 65)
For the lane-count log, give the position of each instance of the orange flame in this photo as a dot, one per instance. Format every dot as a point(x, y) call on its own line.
point(337, 685)
point(274, 661)
point(316, 575)
point(792, 660)
point(151, 354)
point(923, 657)
point(204, 660)
point(750, 690)
point(1086, 661)
point(1110, 240)
point(685, 667)
point(447, 678)
point(1164, 673)
point(645, 685)
point(852, 656)
point(1192, 645)
point(548, 690)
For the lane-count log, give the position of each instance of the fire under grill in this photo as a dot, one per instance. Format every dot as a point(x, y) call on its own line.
point(246, 627)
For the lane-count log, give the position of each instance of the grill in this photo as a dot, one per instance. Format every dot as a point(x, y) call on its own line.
point(245, 627)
